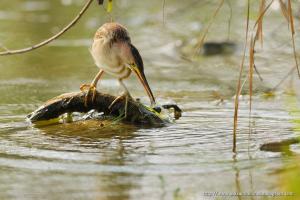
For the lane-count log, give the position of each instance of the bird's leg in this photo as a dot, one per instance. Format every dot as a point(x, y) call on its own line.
point(91, 87)
point(125, 94)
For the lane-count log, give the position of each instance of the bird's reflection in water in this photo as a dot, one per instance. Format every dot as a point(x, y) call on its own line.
point(117, 183)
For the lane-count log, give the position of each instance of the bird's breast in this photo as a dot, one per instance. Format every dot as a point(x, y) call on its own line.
point(108, 59)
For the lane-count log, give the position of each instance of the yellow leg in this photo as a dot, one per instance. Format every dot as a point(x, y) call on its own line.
point(125, 94)
point(91, 87)
point(126, 102)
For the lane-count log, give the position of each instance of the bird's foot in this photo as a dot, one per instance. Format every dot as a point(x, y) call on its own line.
point(88, 88)
point(127, 96)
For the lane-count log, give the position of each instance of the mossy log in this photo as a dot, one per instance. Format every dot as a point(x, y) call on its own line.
point(137, 113)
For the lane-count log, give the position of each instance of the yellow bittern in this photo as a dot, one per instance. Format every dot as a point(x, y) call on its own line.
point(114, 54)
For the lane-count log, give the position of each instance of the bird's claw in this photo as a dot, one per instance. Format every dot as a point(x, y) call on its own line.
point(88, 89)
point(127, 96)
point(85, 87)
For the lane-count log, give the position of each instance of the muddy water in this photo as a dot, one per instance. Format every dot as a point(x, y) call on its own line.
point(180, 161)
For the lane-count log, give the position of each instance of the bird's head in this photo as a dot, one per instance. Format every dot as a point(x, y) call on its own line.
point(112, 32)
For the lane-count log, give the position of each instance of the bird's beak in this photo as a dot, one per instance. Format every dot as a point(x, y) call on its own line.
point(144, 81)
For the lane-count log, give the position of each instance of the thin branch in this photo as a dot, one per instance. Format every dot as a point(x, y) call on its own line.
point(238, 88)
point(284, 78)
point(200, 43)
point(261, 14)
point(43, 43)
point(259, 31)
point(258, 74)
point(163, 11)
point(291, 19)
point(284, 11)
point(229, 19)
point(251, 66)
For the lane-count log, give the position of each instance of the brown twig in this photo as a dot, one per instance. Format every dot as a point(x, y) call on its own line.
point(259, 31)
point(202, 39)
point(251, 67)
point(291, 20)
point(238, 88)
point(262, 13)
point(43, 43)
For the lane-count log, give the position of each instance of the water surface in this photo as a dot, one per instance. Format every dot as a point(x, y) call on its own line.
point(180, 161)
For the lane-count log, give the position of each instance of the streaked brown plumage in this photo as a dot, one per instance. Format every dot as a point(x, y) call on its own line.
point(114, 54)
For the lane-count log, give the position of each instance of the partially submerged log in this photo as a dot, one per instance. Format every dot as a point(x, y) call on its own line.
point(279, 146)
point(137, 113)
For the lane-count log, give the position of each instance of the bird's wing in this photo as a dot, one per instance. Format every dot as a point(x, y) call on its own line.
point(137, 58)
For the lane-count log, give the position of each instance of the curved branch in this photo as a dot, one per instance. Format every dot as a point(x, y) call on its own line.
point(43, 43)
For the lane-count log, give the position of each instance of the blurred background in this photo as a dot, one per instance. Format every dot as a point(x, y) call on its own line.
point(180, 161)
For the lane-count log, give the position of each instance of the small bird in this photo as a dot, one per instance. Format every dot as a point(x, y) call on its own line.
point(114, 54)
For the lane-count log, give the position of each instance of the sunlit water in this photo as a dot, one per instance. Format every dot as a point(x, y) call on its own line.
point(183, 160)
